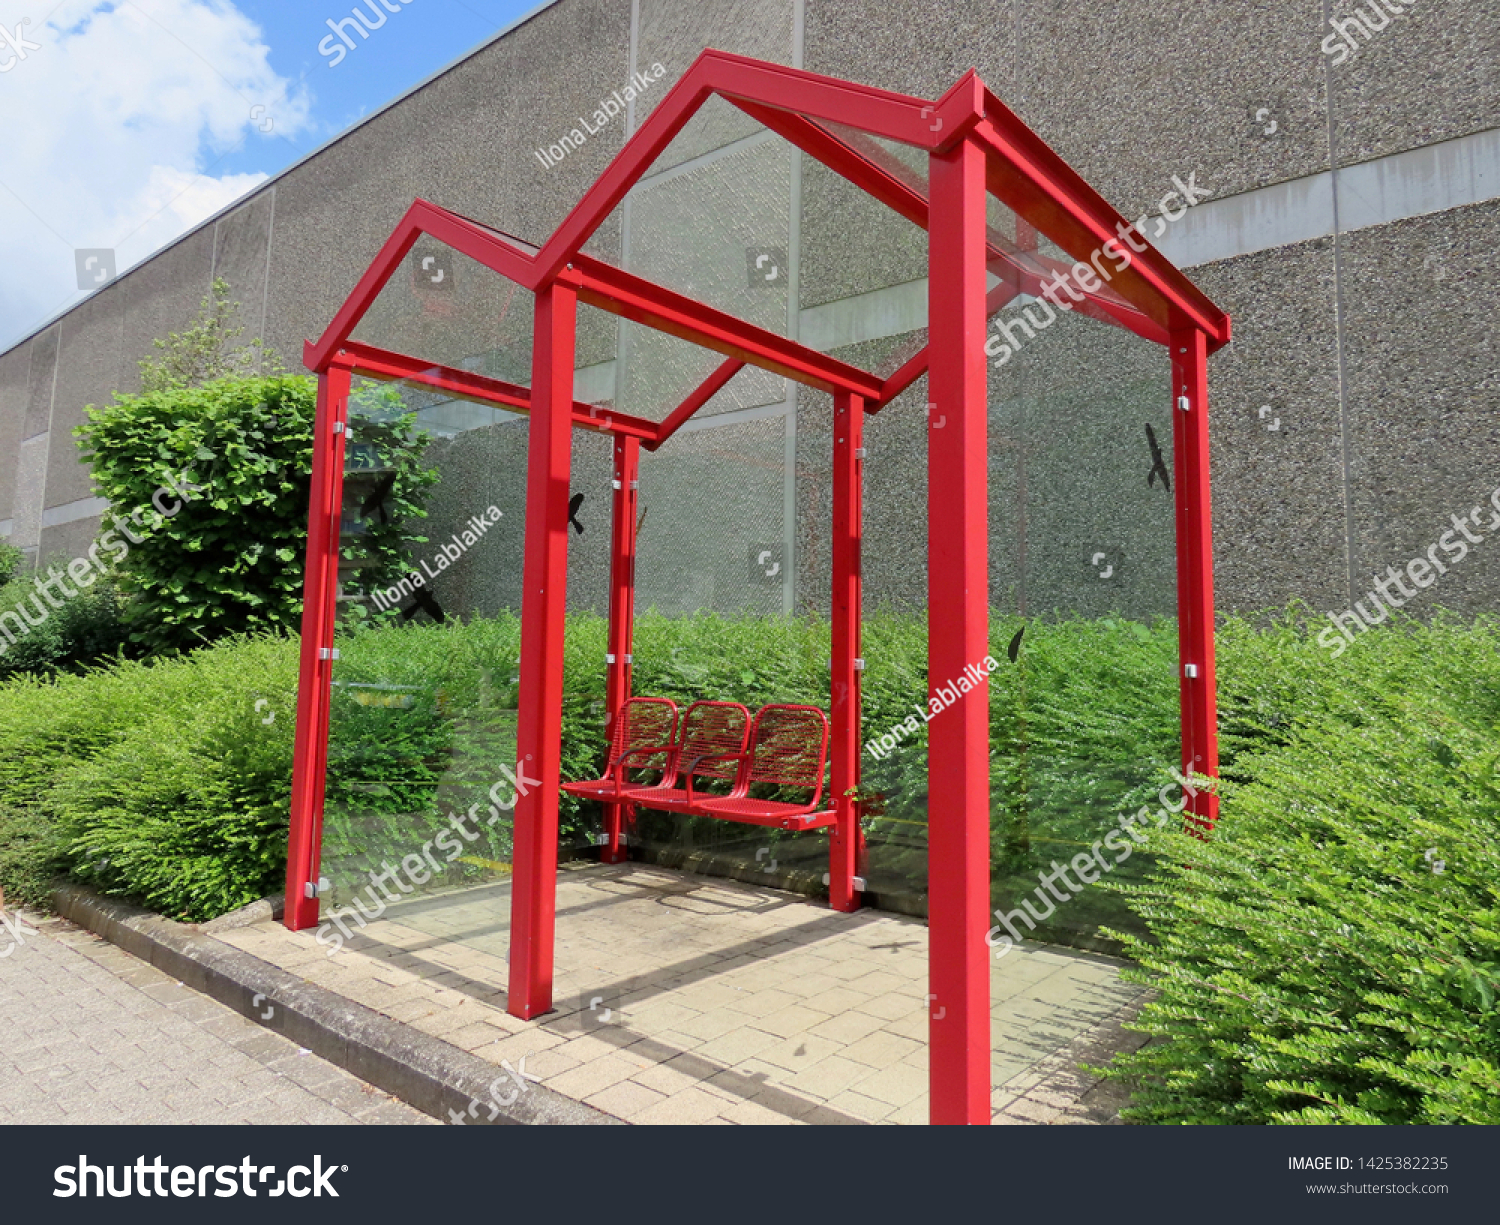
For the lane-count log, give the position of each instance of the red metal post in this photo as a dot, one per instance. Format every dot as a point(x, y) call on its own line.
point(958, 869)
point(848, 519)
point(543, 607)
point(621, 612)
point(1195, 567)
point(319, 603)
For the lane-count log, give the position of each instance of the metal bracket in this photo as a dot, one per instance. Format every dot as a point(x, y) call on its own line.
point(635, 484)
point(338, 427)
point(328, 653)
point(861, 452)
point(859, 665)
point(317, 889)
point(610, 658)
point(1184, 403)
point(1190, 671)
point(616, 485)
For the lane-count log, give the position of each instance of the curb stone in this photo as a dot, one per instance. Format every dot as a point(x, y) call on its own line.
point(425, 1072)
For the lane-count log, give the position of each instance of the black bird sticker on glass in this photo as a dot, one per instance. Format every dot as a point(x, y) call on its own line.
point(573, 512)
point(376, 500)
point(1014, 650)
point(1158, 464)
point(425, 601)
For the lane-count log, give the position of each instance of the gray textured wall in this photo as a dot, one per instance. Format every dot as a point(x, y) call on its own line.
point(1364, 325)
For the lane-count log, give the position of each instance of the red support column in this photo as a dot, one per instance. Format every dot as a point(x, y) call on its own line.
point(543, 608)
point(844, 837)
point(958, 870)
point(1195, 567)
point(319, 604)
point(621, 612)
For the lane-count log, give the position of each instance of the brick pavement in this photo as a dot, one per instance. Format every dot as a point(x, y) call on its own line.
point(90, 1034)
point(720, 1002)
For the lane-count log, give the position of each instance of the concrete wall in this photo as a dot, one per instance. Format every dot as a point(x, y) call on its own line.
point(1354, 214)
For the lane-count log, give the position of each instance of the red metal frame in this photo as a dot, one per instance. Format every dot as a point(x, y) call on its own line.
point(314, 684)
point(1195, 570)
point(958, 619)
point(543, 605)
point(976, 147)
point(627, 467)
point(844, 696)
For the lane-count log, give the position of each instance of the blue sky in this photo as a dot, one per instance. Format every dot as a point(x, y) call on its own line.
point(425, 36)
point(129, 122)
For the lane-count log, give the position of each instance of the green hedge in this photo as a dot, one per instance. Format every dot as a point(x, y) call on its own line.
point(1332, 954)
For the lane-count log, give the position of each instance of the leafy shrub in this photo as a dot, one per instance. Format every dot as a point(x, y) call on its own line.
point(163, 782)
point(207, 350)
point(10, 562)
point(84, 630)
point(228, 560)
point(1332, 954)
point(29, 857)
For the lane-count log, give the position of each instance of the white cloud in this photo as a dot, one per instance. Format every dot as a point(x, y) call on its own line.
point(113, 126)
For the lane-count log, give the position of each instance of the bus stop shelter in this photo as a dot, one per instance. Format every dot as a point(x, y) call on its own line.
point(980, 164)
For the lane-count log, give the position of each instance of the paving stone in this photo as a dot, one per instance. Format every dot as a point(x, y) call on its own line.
point(160, 1066)
point(625, 1099)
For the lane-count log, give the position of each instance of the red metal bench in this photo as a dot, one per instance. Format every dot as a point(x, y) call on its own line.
point(646, 728)
point(784, 746)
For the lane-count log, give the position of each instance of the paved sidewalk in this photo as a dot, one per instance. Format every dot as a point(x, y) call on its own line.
point(685, 999)
point(90, 1034)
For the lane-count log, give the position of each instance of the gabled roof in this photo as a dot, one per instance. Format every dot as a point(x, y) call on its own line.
point(833, 121)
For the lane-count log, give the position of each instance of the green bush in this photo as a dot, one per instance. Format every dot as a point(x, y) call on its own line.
point(163, 783)
point(227, 557)
point(30, 857)
point(85, 630)
point(1332, 953)
point(10, 562)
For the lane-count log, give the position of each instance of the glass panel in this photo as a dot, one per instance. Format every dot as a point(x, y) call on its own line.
point(1085, 717)
point(446, 308)
point(718, 574)
point(650, 373)
point(422, 723)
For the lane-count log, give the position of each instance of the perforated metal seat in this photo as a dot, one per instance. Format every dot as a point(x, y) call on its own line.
point(713, 735)
point(644, 738)
point(788, 748)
